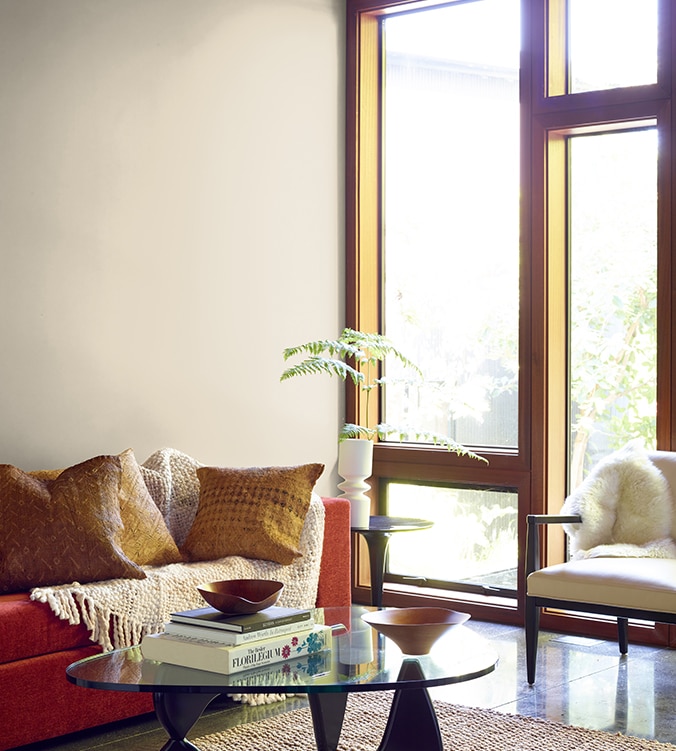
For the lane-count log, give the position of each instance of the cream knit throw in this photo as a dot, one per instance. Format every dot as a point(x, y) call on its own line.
point(118, 612)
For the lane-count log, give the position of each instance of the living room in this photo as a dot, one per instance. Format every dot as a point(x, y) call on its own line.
point(173, 217)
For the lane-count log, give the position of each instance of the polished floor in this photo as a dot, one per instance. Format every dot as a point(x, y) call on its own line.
point(584, 682)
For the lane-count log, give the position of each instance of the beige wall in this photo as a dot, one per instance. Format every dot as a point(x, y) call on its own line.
point(171, 203)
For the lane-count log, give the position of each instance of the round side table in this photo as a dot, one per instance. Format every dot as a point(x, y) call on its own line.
point(377, 536)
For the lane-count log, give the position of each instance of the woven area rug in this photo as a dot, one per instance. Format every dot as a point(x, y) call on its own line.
point(462, 729)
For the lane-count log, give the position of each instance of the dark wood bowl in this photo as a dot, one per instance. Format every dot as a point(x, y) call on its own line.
point(241, 595)
point(414, 630)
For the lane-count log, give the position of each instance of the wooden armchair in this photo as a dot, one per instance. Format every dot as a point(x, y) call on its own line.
point(627, 578)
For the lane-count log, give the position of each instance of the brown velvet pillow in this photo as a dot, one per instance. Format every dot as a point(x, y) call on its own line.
point(145, 538)
point(63, 530)
point(255, 513)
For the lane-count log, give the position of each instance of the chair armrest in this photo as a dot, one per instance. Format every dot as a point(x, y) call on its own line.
point(335, 576)
point(533, 521)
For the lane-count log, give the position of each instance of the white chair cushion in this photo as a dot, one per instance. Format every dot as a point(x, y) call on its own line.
point(642, 583)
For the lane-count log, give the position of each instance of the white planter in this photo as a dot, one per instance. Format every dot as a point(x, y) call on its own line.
point(355, 465)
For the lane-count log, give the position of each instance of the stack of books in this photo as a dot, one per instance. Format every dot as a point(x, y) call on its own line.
point(207, 639)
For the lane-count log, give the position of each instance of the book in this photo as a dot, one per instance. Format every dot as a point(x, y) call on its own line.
point(235, 637)
point(317, 668)
point(206, 654)
point(264, 619)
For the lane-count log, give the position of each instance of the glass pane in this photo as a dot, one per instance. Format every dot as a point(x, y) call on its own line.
point(612, 43)
point(613, 294)
point(451, 218)
point(473, 539)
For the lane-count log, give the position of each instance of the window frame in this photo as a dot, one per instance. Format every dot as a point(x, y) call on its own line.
point(537, 469)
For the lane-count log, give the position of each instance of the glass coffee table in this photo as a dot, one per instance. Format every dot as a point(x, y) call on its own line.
point(359, 660)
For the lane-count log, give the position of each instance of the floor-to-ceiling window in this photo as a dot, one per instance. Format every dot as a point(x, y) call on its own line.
point(509, 226)
point(450, 279)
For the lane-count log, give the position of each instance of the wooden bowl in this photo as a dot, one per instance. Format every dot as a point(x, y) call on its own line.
point(241, 595)
point(414, 630)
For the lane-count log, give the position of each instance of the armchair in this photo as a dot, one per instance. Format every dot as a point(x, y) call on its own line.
point(621, 525)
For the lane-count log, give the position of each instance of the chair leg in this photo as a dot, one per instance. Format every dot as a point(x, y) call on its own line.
point(532, 629)
point(623, 634)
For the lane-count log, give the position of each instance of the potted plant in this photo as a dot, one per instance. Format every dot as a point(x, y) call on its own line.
point(356, 355)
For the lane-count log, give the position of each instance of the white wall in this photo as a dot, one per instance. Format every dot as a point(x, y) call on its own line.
point(171, 205)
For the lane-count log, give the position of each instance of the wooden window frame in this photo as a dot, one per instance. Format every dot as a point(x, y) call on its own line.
point(537, 469)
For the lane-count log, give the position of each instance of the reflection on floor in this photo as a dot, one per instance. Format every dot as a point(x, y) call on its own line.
point(580, 681)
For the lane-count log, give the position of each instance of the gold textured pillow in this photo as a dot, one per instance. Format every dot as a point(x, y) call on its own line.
point(145, 537)
point(63, 530)
point(255, 513)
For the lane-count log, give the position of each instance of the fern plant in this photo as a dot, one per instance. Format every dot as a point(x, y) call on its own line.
point(356, 355)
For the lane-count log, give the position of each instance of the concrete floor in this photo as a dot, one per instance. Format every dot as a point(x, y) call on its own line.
point(584, 682)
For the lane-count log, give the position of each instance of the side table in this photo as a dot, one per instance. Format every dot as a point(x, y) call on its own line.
point(377, 536)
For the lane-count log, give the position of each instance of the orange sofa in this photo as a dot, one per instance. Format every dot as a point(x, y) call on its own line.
point(36, 700)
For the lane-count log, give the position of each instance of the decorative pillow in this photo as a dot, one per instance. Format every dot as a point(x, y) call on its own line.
point(145, 538)
point(254, 513)
point(171, 478)
point(46, 474)
point(63, 530)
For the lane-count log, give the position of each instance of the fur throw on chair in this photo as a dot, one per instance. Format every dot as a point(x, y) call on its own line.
point(626, 509)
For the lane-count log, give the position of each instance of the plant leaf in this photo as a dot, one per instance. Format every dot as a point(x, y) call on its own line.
point(384, 430)
point(350, 430)
point(316, 364)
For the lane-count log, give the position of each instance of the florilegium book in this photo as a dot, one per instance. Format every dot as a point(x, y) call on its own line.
point(274, 616)
point(205, 654)
point(235, 637)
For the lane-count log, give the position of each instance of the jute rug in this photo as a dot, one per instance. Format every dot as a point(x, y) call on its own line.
point(462, 729)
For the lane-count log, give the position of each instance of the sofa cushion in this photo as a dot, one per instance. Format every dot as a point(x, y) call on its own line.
point(642, 583)
point(62, 530)
point(254, 513)
point(40, 703)
point(29, 629)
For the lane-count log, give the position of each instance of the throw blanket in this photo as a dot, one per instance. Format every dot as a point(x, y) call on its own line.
point(118, 612)
point(626, 509)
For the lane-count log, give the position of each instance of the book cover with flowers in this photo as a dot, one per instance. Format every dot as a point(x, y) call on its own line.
point(205, 654)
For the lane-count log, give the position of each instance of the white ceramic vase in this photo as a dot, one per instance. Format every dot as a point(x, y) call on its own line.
point(355, 465)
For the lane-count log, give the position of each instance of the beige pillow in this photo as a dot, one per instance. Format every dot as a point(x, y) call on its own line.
point(171, 478)
point(145, 538)
point(255, 513)
point(63, 530)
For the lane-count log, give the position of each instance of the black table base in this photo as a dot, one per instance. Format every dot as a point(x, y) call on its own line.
point(178, 712)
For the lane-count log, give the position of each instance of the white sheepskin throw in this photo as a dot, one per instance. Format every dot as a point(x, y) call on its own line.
point(626, 507)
